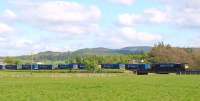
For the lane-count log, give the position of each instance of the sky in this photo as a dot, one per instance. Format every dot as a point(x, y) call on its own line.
point(31, 26)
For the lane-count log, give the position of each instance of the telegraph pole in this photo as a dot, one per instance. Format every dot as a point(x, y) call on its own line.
point(32, 61)
point(68, 57)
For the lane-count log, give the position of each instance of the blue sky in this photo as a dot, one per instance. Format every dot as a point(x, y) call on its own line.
point(65, 25)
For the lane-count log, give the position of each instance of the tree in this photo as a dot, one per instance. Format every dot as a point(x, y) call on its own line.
point(91, 64)
point(162, 53)
point(12, 61)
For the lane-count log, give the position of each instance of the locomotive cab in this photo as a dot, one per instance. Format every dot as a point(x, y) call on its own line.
point(166, 68)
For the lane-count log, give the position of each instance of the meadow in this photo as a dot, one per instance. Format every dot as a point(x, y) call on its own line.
point(27, 86)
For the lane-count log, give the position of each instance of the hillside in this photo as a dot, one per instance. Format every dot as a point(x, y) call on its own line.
point(60, 56)
point(107, 51)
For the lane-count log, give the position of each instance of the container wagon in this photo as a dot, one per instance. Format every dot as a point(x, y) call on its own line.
point(71, 66)
point(26, 67)
point(167, 68)
point(29, 67)
point(65, 66)
point(139, 69)
point(112, 66)
point(44, 67)
point(74, 66)
point(11, 67)
point(81, 66)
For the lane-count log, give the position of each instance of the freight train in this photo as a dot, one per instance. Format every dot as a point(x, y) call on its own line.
point(139, 69)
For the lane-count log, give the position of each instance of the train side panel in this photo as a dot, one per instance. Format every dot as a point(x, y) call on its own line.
point(167, 68)
point(45, 67)
point(11, 67)
point(64, 66)
point(81, 66)
point(1, 67)
point(139, 69)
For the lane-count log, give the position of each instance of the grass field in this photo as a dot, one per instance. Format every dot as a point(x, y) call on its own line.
point(24, 86)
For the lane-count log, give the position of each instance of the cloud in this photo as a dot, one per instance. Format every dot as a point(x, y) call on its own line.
point(184, 13)
point(149, 16)
point(123, 36)
point(9, 14)
point(188, 18)
point(61, 11)
point(60, 16)
point(69, 25)
point(132, 35)
point(129, 19)
point(157, 16)
point(2, 39)
point(193, 4)
point(123, 2)
point(126, 34)
point(4, 28)
point(62, 25)
point(180, 4)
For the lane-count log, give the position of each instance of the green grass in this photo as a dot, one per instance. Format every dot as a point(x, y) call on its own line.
point(24, 86)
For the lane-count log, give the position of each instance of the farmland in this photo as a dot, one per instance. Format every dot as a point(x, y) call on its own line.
point(26, 86)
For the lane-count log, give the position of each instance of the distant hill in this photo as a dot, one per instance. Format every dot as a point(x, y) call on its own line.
point(107, 51)
point(95, 51)
point(45, 56)
point(135, 50)
point(59, 56)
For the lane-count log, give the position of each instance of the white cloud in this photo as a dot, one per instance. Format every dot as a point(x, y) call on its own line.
point(188, 18)
point(127, 35)
point(22, 43)
point(9, 14)
point(4, 28)
point(132, 35)
point(123, 36)
point(184, 13)
point(129, 19)
point(2, 39)
point(60, 16)
point(61, 11)
point(193, 4)
point(75, 21)
point(180, 3)
point(124, 2)
point(149, 16)
point(75, 30)
point(157, 16)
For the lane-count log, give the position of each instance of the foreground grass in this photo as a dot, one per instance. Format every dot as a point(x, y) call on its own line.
point(23, 86)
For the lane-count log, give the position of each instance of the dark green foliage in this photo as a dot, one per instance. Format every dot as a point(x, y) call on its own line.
point(11, 61)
